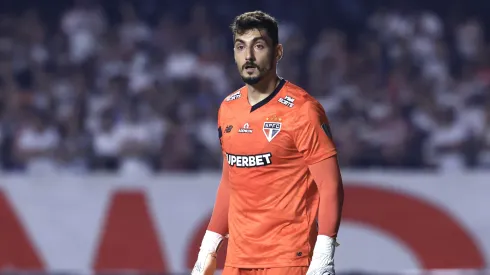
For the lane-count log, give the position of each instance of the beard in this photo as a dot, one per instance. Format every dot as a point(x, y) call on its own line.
point(252, 80)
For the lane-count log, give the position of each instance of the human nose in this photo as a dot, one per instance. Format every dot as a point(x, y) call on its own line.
point(249, 54)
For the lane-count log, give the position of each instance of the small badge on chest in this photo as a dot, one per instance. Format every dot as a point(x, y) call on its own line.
point(272, 127)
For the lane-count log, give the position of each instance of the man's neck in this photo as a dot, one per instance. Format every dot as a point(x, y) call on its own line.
point(261, 90)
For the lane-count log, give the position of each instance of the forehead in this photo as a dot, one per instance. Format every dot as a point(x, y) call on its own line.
point(252, 35)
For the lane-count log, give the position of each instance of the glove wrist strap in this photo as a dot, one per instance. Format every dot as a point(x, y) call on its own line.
point(211, 242)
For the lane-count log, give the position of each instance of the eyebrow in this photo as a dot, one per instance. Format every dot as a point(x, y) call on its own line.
point(255, 39)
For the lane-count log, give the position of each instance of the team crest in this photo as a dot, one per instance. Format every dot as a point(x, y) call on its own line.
point(272, 127)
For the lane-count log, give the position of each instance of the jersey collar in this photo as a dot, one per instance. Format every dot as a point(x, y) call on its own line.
point(266, 100)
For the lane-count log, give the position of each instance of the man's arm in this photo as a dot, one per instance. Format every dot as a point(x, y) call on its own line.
point(219, 218)
point(314, 141)
point(218, 225)
point(326, 174)
point(217, 229)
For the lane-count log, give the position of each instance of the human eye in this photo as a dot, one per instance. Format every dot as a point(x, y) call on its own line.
point(260, 46)
point(239, 47)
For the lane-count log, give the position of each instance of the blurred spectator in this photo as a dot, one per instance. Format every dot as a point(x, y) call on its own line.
point(83, 25)
point(446, 139)
point(135, 141)
point(106, 145)
point(37, 143)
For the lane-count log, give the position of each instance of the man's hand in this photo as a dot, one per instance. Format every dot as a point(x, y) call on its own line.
point(206, 259)
point(205, 264)
point(322, 262)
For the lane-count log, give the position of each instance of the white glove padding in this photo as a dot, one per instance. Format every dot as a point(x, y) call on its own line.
point(206, 259)
point(322, 262)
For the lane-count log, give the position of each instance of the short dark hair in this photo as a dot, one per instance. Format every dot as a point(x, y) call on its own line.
point(256, 20)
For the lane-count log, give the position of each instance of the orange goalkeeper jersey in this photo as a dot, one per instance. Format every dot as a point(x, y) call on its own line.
point(273, 198)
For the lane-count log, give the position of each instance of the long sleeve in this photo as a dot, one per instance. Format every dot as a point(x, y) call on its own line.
point(326, 174)
point(314, 140)
point(219, 218)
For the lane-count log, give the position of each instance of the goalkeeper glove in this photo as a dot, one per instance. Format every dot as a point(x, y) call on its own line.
point(206, 259)
point(322, 262)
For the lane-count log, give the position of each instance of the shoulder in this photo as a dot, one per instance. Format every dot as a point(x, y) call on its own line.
point(231, 100)
point(299, 100)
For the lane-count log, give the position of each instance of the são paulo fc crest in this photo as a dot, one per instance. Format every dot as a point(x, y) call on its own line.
point(272, 127)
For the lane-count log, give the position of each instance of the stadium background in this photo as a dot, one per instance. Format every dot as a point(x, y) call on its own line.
point(108, 141)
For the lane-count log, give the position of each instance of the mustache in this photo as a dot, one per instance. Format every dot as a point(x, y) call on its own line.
point(250, 64)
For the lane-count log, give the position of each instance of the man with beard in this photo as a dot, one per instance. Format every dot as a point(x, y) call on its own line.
point(280, 197)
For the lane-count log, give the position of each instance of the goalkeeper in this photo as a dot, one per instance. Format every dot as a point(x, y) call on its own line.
point(280, 197)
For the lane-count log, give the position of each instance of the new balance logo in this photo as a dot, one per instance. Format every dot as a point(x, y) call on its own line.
point(249, 161)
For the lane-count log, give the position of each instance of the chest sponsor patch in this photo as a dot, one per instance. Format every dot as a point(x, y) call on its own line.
point(245, 161)
point(245, 129)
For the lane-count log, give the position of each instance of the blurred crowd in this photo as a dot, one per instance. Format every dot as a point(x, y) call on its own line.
point(92, 87)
